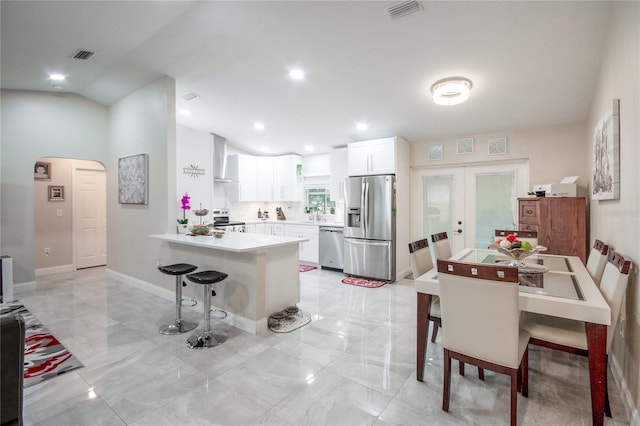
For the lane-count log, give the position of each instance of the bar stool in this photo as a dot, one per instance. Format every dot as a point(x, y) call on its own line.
point(208, 338)
point(179, 325)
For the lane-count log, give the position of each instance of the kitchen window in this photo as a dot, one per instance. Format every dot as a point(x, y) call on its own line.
point(318, 199)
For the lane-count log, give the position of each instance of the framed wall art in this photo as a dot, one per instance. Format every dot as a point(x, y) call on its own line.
point(464, 146)
point(42, 171)
point(56, 192)
point(605, 179)
point(497, 146)
point(133, 179)
point(435, 152)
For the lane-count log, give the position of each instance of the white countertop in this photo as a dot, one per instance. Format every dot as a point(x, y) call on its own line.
point(232, 241)
point(297, 222)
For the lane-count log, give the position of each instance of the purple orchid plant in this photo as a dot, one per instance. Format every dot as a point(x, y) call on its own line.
point(185, 206)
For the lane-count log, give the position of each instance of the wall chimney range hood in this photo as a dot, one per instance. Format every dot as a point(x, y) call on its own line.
point(220, 159)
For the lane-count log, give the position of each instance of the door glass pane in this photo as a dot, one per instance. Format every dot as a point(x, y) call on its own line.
point(495, 204)
point(437, 208)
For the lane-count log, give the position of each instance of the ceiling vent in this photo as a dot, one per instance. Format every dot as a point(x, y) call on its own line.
point(403, 8)
point(83, 55)
point(189, 96)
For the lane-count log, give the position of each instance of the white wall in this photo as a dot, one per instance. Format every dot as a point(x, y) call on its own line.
point(194, 149)
point(142, 123)
point(618, 221)
point(34, 125)
point(554, 152)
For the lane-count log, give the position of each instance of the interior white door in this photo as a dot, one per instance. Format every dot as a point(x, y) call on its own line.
point(90, 213)
point(467, 202)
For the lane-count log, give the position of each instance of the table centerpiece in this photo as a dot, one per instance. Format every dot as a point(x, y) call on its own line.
point(517, 251)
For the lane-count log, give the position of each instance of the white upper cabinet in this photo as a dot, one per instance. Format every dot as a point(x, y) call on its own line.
point(242, 169)
point(339, 171)
point(266, 178)
point(287, 178)
point(374, 157)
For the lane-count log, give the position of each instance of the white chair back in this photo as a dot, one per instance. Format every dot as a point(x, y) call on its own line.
point(597, 260)
point(613, 287)
point(420, 257)
point(479, 308)
point(441, 247)
point(530, 236)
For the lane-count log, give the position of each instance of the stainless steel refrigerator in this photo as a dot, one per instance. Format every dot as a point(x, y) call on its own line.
point(370, 227)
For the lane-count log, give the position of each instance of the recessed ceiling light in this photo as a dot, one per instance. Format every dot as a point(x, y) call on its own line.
point(451, 90)
point(362, 126)
point(258, 126)
point(308, 148)
point(57, 77)
point(185, 112)
point(264, 148)
point(296, 74)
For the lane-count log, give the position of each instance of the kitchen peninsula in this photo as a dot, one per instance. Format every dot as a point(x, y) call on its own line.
point(263, 272)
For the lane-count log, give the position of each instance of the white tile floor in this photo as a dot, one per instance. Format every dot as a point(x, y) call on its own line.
point(353, 364)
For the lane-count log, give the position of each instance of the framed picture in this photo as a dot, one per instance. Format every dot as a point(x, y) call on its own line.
point(464, 146)
point(133, 179)
point(605, 181)
point(56, 193)
point(435, 152)
point(42, 171)
point(497, 146)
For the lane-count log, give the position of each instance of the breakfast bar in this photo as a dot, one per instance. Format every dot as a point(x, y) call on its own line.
point(263, 272)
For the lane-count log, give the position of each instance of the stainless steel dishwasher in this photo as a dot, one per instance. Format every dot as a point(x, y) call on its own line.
point(331, 247)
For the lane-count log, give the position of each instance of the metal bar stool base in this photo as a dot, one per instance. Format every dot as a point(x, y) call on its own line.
point(207, 339)
point(178, 327)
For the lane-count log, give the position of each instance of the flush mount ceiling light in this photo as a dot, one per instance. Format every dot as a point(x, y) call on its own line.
point(258, 126)
point(451, 90)
point(57, 77)
point(362, 126)
point(296, 74)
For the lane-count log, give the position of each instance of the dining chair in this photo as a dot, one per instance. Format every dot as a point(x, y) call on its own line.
point(529, 236)
point(597, 260)
point(480, 312)
point(421, 262)
point(570, 336)
point(441, 246)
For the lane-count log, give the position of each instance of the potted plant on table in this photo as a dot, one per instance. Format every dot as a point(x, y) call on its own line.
point(183, 223)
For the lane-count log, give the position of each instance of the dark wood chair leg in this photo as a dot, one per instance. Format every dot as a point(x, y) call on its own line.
point(514, 397)
point(524, 368)
point(447, 380)
point(607, 407)
point(480, 373)
point(434, 332)
point(461, 368)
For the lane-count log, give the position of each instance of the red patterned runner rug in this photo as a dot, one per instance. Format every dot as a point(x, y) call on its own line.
point(305, 268)
point(361, 282)
point(44, 355)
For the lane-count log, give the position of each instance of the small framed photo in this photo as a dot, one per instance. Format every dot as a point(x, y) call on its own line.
point(42, 171)
point(56, 193)
point(464, 146)
point(497, 146)
point(435, 152)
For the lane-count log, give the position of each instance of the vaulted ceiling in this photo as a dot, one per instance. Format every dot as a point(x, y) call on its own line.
point(532, 64)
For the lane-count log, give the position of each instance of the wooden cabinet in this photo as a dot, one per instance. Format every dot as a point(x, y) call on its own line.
point(560, 222)
point(375, 157)
point(339, 171)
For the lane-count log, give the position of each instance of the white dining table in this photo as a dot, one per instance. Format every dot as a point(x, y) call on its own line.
point(566, 290)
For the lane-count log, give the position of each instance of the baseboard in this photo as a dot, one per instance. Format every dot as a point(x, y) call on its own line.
point(54, 270)
point(237, 321)
point(629, 406)
point(24, 287)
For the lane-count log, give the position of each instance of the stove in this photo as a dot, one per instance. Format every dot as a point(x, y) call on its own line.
point(221, 221)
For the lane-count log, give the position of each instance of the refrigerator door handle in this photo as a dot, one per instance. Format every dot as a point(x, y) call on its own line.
point(366, 209)
point(363, 211)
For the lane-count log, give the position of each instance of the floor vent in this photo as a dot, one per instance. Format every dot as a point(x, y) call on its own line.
point(403, 8)
point(83, 55)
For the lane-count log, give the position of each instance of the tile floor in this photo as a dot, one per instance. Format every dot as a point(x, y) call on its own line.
point(354, 364)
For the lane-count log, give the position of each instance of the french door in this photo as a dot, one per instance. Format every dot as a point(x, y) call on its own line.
point(467, 201)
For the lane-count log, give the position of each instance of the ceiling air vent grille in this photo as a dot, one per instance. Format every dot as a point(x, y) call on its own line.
point(403, 8)
point(83, 55)
point(189, 96)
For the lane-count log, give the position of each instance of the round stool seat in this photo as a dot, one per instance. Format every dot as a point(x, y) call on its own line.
point(177, 269)
point(207, 277)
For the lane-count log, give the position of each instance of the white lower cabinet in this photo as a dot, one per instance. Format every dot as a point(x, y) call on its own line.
point(309, 250)
point(269, 228)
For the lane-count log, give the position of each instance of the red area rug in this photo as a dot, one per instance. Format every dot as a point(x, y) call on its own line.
point(361, 282)
point(305, 268)
point(44, 356)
